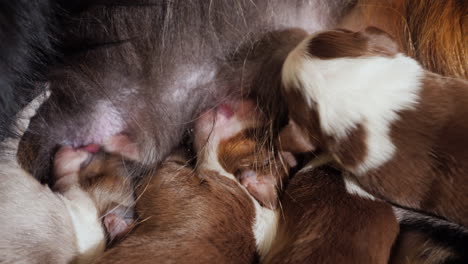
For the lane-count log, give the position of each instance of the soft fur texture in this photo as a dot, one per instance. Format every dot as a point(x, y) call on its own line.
point(131, 64)
point(322, 223)
point(414, 127)
point(43, 226)
point(148, 68)
point(25, 31)
point(429, 240)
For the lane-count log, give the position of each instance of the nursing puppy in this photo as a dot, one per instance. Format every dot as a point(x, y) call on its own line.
point(40, 226)
point(398, 128)
point(186, 217)
point(327, 219)
point(207, 215)
point(148, 68)
point(229, 141)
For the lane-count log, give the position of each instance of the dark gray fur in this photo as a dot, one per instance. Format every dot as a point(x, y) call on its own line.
point(160, 63)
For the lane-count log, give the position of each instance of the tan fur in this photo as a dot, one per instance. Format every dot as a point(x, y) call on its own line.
point(432, 32)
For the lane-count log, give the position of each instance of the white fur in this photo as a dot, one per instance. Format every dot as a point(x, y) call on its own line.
point(355, 189)
point(265, 227)
point(210, 148)
point(88, 229)
point(210, 161)
point(347, 92)
point(266, 220)
point(38, 224)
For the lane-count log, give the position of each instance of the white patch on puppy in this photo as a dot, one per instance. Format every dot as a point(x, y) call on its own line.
point(347, 92)
point(353, 188)
point(211, 129)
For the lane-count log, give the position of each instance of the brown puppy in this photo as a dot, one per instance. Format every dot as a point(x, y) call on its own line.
point(228, 141)
point(188, 218)
point(399, 129)
point(206, 215)
point(323, 221)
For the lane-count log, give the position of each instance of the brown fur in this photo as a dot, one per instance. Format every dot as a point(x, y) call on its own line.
point(428, 169)
point(200, 215)
point(344, 43)
point(105, 178)
point(322, 223)
point(188, 218)
point(246, 151)
point(415, 248)
point(352, 151)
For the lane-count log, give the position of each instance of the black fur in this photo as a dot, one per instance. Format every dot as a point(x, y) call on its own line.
point(26, 46)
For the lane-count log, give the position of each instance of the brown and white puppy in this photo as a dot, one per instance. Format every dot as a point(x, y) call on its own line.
point(40, 226)
point(228, 142)
point(208, 215)
point(398, 128)
point(148, 68)
point(317, 207)
point(104, 177)
point(323, 221)
point(187, 217)
point(228, 139)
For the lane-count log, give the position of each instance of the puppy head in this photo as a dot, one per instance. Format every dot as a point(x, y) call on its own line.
point(228, 140)
point(304, 64)
point(105, 178)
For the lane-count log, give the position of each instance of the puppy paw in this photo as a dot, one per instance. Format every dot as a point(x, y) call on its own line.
point(67, 164)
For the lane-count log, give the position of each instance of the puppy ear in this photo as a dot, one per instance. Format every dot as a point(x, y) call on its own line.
point(294, 140)
point(117, 226)
point(380, 42)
